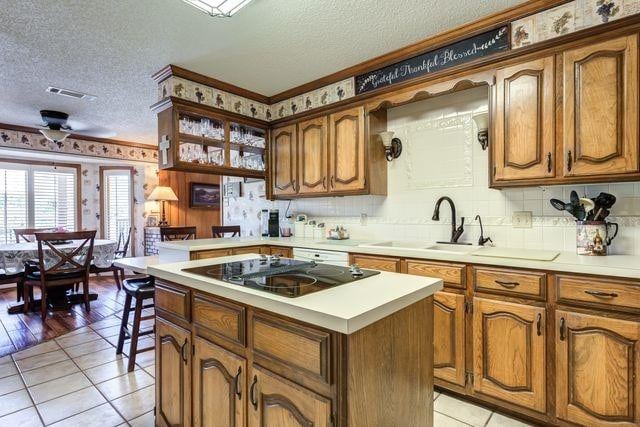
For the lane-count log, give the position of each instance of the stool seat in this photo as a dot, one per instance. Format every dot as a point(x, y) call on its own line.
point(139, 287)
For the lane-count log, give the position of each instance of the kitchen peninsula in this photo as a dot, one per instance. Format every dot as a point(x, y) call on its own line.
point(330, 357)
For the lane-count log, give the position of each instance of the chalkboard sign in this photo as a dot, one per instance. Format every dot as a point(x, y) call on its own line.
point(455, 54)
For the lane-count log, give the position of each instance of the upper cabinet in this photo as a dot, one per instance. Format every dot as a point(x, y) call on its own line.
point(601, 108)
point(524, 138)
point(347, 150)
point(284, 161)
point(195, 138)
point(590, 94)
point(338, 154)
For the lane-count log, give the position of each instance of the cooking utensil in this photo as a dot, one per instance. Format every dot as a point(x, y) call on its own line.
point(605, 200)
point(558, 204)
point(575, 208)
point(588, 204)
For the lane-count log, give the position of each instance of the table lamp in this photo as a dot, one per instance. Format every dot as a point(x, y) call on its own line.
point(163, 194)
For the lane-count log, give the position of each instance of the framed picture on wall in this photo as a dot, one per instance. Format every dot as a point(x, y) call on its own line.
point(204, 195)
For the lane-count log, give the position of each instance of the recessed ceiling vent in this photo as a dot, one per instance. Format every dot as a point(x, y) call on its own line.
point(70, 93)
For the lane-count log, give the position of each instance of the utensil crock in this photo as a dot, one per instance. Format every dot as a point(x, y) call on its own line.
point(594, 237)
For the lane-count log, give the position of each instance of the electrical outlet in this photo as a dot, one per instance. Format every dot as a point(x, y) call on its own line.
point(363, 219)
point(522, 219)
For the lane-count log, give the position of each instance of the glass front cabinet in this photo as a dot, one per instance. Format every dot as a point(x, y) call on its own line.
point(200, 139)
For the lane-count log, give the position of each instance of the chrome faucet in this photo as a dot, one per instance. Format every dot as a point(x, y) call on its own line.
point(456, 232)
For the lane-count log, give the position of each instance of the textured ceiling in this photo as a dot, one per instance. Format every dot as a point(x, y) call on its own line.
point(110, 48)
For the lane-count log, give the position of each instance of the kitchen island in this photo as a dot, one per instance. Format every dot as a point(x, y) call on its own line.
point(349, 355)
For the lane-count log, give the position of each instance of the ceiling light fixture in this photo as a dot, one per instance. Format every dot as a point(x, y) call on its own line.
point(218, 8)
point(54, 135)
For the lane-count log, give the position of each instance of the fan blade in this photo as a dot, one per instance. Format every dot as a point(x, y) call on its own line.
point(85, 129)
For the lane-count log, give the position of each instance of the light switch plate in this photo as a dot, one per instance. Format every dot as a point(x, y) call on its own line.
point(522, 219)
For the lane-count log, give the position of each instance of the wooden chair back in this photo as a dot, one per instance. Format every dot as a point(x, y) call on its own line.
point(177, 233)
point(28, 234)
point(123, 244)
point(219, 231)
point(53, 260)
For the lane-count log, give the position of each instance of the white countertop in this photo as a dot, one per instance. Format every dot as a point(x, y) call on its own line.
point(627, 266)
point(137, 264)
point(345, 308)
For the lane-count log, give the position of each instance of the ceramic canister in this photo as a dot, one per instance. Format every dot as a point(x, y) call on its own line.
point(594, 237)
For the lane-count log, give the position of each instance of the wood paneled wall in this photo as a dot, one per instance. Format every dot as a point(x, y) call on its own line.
point(179, 213)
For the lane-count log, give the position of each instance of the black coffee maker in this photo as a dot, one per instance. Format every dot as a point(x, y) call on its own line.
point(274, 223)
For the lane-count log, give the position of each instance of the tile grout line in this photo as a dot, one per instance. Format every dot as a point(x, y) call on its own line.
point(26, 390)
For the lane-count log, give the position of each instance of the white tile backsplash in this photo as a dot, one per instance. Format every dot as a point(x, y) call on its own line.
point(405, 213)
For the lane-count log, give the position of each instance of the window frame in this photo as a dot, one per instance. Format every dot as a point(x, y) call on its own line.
point(31, 165)
point(103, 194)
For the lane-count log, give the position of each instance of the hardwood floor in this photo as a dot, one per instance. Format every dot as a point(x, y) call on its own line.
point(19, 331)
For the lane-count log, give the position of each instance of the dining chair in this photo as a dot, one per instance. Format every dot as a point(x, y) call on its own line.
point(28, 234)
point(59, 267)
point(122, 247)
point(219, 231)
point(168, 234)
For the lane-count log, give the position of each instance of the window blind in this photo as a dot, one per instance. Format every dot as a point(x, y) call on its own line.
point(54, 198)
point(118, 199)
point(13, 203)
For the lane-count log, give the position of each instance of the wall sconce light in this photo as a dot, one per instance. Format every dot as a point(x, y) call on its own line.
point(482, 122)
point(392, 146)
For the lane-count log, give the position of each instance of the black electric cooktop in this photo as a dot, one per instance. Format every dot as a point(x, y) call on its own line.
point(282, 276)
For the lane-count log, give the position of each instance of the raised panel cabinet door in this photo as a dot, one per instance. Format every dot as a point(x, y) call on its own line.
point(601, 108)
point(173, 374)
point(347, 150)
point(219, 386)
point(284, 161)
point(312, 155)
point(597, 370)
point(524, 146)
point(373, 262)
point(276, 402)
point(449, 337)
point(509, 352)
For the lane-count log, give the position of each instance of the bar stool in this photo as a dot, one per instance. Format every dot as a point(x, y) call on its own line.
point(140, 288)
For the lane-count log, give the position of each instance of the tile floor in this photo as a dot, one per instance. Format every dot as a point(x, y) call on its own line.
point(77, 380)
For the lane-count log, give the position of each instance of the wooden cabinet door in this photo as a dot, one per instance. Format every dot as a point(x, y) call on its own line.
point(219, 386)
point(173, 374)
point(281, 251)
point(601, 108)
point(524, 145)
point(449, 337)
point(276, 402)
point(347, 150)
point(312, 155)
point(284, 161)
point(597, 370)
point(509, 352)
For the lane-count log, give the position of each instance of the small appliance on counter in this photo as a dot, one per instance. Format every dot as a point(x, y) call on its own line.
point(593, 234)
point(338, 233)
point(264, 222)
point(274, 223)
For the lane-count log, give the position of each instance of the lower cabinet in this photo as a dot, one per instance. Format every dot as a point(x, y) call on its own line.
point(449, 338)
point(219, 385)
point(372, 262)
point(274, 401)
point(173, 374)
point(509, 352)
point(281, 251)
point(597, 370)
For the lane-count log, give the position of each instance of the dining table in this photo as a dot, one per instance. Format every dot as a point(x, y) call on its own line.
point(14, 255)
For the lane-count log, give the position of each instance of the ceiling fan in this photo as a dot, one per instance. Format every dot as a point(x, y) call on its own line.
point(57, 127)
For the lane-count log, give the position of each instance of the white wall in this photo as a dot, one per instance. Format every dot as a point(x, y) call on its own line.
point(434, 133)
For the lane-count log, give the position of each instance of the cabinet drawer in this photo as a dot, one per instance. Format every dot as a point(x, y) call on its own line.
point(510, 282)
point(612, 293)
point(214, 253)
point(247, 250)
point(172, 300)
point(223, 318)
point(452, 274)
point(376, 262)
point(281, 251)
point(294, 346)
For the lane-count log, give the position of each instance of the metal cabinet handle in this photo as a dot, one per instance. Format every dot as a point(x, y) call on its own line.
point(539, 324)
point(562, 329)
point(236, 381)
point(549, 162)
point(183, 351)
point(324, 182)
point(569, 160)
point(601, 294)
point(508, 285)
point(293, 185)
point(333, 182)
point(252, 391)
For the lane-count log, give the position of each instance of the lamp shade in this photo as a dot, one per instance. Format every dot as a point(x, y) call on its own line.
point(482, 121)
point(386, 138)
point(163, 194)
